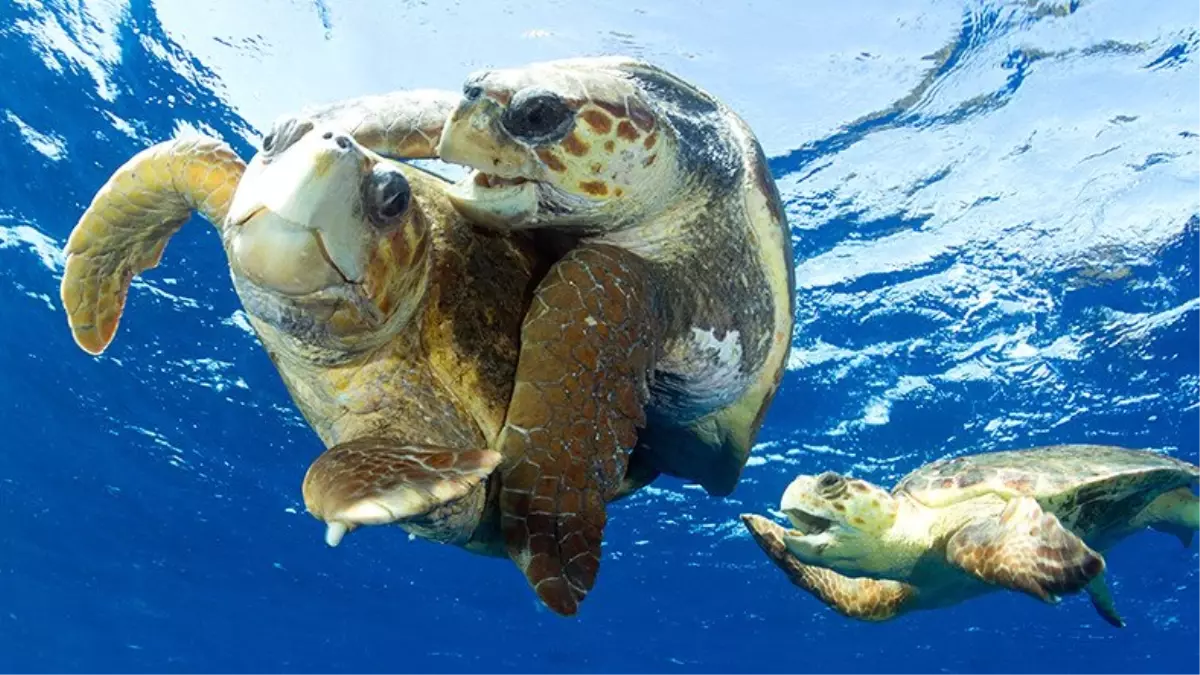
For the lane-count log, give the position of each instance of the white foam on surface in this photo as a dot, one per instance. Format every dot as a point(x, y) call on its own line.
point(85, 38)
point(50, 145)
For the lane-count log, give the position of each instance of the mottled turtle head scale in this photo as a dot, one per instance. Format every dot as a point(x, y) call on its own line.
point(571, 143)
point(838, 521)
point(327, 243)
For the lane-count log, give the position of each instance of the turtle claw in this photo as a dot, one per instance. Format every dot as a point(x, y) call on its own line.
point(373, 512)
point(334, 533)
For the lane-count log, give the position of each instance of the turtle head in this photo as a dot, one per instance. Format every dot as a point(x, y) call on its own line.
point(566, 143)
point(838, 522)
point(326, 240)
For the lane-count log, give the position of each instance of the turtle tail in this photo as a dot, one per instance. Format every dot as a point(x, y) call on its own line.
point(126, 227)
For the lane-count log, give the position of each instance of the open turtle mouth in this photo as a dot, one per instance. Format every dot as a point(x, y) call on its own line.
point(487, 180)
point(807, 523)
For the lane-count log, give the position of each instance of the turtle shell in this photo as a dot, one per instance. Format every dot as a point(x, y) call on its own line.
point(1064, 479)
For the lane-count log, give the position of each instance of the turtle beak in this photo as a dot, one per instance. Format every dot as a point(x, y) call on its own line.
point(299, 185)
point(502, 191)
point(298, 215)
point(473, 137)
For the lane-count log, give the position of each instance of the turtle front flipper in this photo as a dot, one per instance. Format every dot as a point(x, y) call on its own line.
point(376, 481)
point(125, 229)
point(402, 125)
point(587, 351)
point(1025, 549)
point(858, 598)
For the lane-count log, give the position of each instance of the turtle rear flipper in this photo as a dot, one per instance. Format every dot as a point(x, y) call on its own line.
point(1176, 513)
point(125, 229)
point(587, 346)
point(1097, 590)
point(374, 481)
point(1025, 549)
point(1183, 534)
point(858, 598)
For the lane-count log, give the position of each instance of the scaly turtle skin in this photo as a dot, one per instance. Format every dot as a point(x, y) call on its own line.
point(1034, 521)
point(675, 300)
point(393, 323)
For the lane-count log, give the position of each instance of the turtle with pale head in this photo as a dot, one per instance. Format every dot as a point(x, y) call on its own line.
point(670, 311)
point(392, 323)
point(1036, 521)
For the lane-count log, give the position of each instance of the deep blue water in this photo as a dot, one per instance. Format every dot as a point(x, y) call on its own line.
point(995, 215)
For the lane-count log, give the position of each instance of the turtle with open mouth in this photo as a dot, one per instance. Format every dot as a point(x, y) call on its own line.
point(1034, 521)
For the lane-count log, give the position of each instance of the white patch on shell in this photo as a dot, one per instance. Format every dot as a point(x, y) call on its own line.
point(727, 350)
point(710, 368)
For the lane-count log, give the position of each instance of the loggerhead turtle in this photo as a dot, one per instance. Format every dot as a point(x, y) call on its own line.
point(1034, 521)
point(392, 322)
point(674, 300)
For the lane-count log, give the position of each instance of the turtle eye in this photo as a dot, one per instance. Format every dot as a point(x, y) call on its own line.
point(283, 134)
point(388, 195)
point(473, 87)
point(828, 480)
point(538, 116)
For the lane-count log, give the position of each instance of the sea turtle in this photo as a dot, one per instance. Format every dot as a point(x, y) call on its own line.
point(1034, 521)
point(674, 300)
point(392, 322)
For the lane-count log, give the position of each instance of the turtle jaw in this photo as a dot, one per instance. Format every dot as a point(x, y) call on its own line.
point(509, 187)
point(808, 549)
point(810, 535)
point(804, 523)
point(808, 507)
point(513, 203)
point(493, 202)
point(815, 539)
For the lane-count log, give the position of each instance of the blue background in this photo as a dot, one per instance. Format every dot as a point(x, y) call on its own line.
point(995, 217)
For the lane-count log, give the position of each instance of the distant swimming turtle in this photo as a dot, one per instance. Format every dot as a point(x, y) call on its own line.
point(1033, 521)
point(672, 308)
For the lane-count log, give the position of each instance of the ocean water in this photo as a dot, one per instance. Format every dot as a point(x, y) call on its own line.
point(995, 210)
